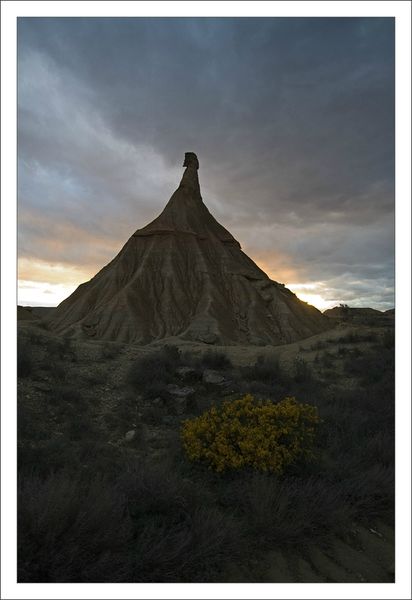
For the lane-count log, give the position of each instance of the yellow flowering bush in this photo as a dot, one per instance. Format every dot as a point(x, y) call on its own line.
point(251, 433)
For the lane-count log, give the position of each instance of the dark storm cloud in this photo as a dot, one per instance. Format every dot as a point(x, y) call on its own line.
point(292, 119)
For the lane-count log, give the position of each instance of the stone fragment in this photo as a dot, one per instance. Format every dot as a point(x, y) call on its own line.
point(212, 377)
point(179, 392)
point(130, 435)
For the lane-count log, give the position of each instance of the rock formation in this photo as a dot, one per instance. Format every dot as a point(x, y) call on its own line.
point(184, 275)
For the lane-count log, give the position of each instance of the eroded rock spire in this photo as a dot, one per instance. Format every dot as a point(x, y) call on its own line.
point(191, 160)
point(184, 276)
point(190, 178)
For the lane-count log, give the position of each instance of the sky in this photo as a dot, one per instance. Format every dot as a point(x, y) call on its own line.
point(292, 120)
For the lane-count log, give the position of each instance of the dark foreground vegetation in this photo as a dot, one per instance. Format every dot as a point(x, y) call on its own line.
point(106, 493)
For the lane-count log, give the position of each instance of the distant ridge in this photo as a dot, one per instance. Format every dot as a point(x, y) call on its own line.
point(25, 313)
point(33, 312)
point(358, 314)
point(184, 275)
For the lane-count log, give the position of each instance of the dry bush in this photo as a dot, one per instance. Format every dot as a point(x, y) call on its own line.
point(290, 510)
point(154, 369)
point(70, 530)
point(216, 360)
point(25, 363)
point(265, 370)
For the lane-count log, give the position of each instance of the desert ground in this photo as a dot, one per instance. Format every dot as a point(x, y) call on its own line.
point(106, 492)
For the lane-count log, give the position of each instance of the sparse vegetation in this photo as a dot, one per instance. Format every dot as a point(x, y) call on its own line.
point(266, 369)
point(153, 415)
point(168, 518)
point(215, 360)
point(24, 360)
point(58, 512)
point(303, 372)
point(110, 350)
point(356, 338)
point(280, 513)
point(154, 368)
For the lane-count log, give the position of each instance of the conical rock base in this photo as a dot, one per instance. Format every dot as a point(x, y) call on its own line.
point(184, 275)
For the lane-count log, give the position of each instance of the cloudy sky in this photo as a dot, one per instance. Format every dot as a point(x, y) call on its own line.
point(292, 120)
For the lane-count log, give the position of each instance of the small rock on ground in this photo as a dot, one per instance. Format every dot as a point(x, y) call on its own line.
point(179, 392)
point(213, 377)
point(130, 435)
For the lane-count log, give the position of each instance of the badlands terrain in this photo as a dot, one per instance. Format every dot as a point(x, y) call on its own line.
point(182, 324)
point(107, 493)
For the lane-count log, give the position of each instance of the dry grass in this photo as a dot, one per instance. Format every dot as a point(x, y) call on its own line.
point(165, 518)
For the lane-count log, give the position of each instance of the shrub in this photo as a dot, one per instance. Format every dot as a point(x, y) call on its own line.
point(110, 350)
point(388, 339)
point(77, 429)
point(70, 530)
point(266, 369)
point(303, 372)
point(216, 360)
point(327, 359)
point(153, 415)
point(259, 389)
point(356, 338)
point(67, 393)
point(157, 389)
point(59, 371)
point(319, 345)
point(372, 491)
point(179, 534)
point(66, 400)
point(251, 433)
point(97, 376)
point(35, 338)
point(24, 361)
point(171, 354)
point(61, 348)
point(290, 510)
point(32, 424)
point(155, 367)
point(372, 367)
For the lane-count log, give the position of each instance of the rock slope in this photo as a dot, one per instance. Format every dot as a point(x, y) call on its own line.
point(184, 275)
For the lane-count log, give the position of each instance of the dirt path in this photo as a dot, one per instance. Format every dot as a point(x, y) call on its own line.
point(364, 555)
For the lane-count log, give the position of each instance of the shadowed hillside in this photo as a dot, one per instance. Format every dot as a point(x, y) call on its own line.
point(184, 275)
